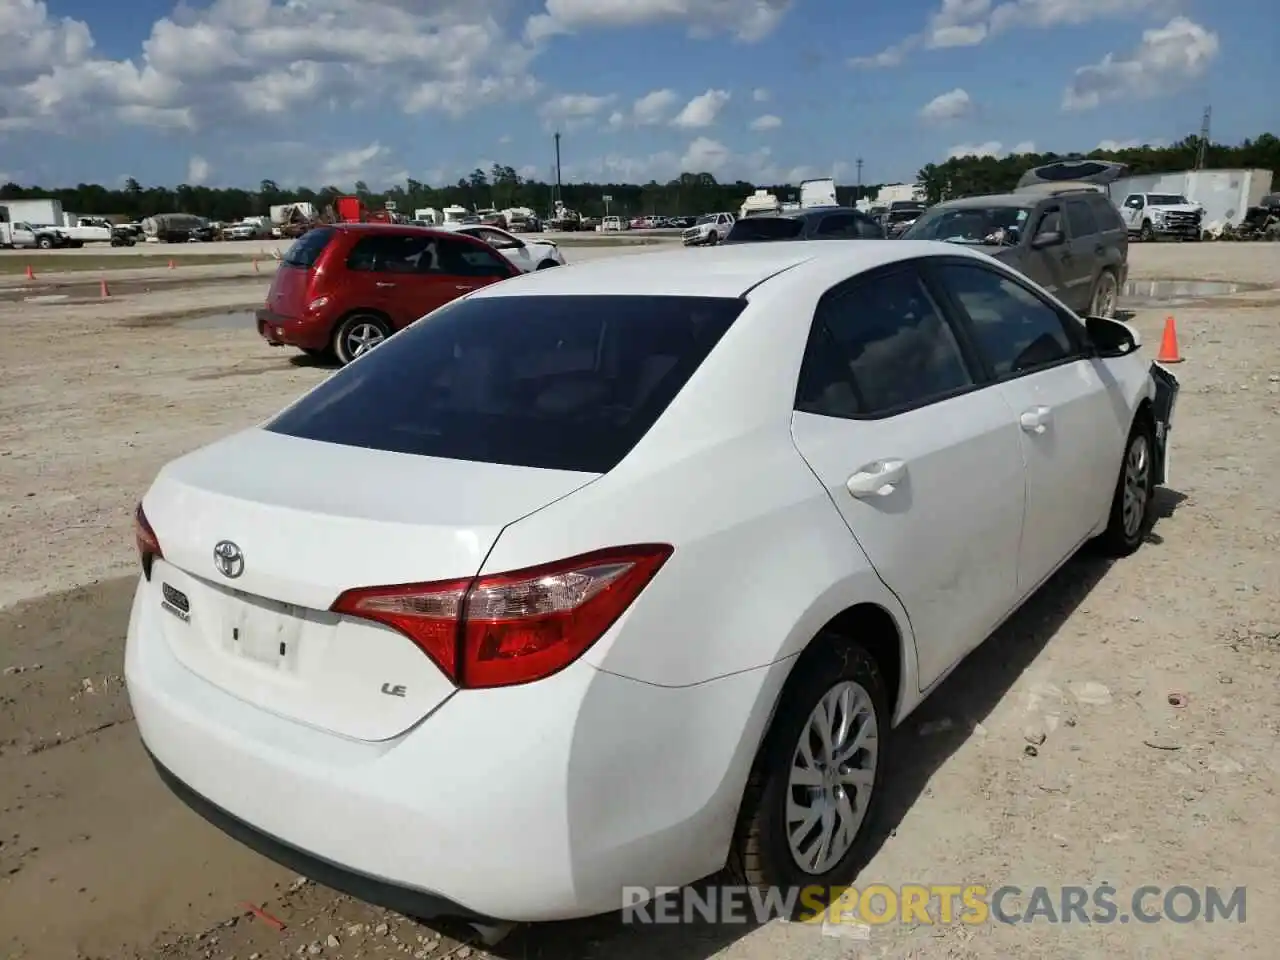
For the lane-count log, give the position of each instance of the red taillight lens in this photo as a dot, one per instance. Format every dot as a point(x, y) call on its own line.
point(146, 540)
point(512, 628)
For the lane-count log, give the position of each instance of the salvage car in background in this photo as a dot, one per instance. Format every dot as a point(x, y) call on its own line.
point(574, 534)
point(525, 254)
point(343, 289)
point(1069, 239)
point(812, 223)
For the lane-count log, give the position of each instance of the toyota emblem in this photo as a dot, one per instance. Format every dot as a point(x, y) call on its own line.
point(228, 558)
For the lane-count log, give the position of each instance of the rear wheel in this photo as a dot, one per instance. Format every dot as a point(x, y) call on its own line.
point(1106, 293)
point(1131, 514)
point(816, 784)
point(358, 334)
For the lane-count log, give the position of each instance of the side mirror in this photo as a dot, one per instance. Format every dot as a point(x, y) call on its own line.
point(1111, 338)
point(1050, 238)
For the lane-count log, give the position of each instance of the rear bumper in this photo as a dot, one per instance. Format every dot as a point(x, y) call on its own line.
point(531, 803)
point(308, 334)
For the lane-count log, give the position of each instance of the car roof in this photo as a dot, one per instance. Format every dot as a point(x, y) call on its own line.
point(992, 200)
point(807, 213)
point(720, 271)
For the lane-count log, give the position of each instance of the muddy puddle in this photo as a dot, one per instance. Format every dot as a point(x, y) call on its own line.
point(1164, 293)
point(236, 320)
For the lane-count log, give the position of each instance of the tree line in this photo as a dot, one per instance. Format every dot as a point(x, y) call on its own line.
point(690, 193)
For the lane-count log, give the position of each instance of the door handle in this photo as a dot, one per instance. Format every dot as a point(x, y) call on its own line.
point(1036, 420)
point(383, 283)
point(877, 479)
point(464, 286)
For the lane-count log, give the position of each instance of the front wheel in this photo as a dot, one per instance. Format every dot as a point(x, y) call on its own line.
point(357, 335)
point(1131, 515)
point(1148, 233)
point(547, 265)
point(817, 782)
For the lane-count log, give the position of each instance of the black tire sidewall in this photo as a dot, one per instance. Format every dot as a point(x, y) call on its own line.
point(1103, 277)
point(1119, 542)
point(812, 681)
point(344, 328)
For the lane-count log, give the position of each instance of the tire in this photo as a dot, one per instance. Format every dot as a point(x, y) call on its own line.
point(713, 238)
point(44, 243)
point(763, 854)
point(1135, 487)
point(1147, 233)
point(1106, 294)
point(358, 334)
point(547, 265)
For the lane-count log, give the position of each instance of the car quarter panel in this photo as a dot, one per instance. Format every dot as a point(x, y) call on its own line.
point(762, 558)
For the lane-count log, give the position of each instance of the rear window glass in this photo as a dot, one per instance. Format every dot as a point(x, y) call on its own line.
point(307, 248)
point(561, 383)
point(766, 228)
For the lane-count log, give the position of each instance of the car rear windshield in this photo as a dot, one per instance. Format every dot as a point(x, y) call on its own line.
point(307, 248)
point(557, 382)
point(766, 228)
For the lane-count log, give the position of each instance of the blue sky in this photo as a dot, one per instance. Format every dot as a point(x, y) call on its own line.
point(230, 92)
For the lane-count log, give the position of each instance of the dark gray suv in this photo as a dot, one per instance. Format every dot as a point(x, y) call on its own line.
point(1069, 239)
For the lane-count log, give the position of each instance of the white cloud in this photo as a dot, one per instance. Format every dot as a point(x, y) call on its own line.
point(967, 23)
point(372, 164)
point(760, 95)
point(702, 110)
point(951, 105)
point(653, 108)
point(198, 171)
point(1111, 146)
point(574, 110)
point(1165, 60)
point(217, 64)
point(1026, 146)
point(766, 122)
point(706, 156)
point(992, 148)
point(747, 20)
point(958, 23)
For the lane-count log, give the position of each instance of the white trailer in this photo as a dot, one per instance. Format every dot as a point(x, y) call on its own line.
point(45, 212)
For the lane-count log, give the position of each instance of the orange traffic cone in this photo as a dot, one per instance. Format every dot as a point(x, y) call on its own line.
point(1169, 343)
point(171, 265)
point(104, 290)
point(30, 274)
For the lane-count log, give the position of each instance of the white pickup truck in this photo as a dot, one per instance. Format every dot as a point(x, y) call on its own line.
point(26, 235)
point(1157, 216)
point(82, 230)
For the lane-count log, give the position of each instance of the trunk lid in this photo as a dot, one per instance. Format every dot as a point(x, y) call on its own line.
point(309, 520)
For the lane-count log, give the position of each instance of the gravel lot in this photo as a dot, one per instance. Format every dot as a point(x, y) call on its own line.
point(96, 859)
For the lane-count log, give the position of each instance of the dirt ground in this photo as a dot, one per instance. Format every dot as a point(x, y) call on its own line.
point(1054, 756)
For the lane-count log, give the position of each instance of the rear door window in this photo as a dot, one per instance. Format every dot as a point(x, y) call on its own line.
point(561, 383)
point(766, 228)
point(304, 251)
point(458, 258)
point(1081, 219)
point(394, 253)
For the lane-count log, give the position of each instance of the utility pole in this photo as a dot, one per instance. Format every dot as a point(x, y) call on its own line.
point(1202, 151)
point(559, 188)
point(858, 194)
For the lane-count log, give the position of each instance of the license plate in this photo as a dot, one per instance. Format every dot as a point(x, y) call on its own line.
point(265, 633)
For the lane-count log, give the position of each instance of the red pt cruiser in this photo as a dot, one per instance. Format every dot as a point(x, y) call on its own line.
point(343, 289)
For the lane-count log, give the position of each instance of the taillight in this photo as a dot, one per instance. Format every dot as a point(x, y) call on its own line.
point(146, 540)
point(511, 628)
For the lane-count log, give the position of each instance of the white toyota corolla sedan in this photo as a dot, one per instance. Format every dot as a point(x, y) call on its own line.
point(611, 576)
point(526, 253)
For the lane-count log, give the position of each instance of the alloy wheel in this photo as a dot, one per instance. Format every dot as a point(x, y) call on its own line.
point(833, 770)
